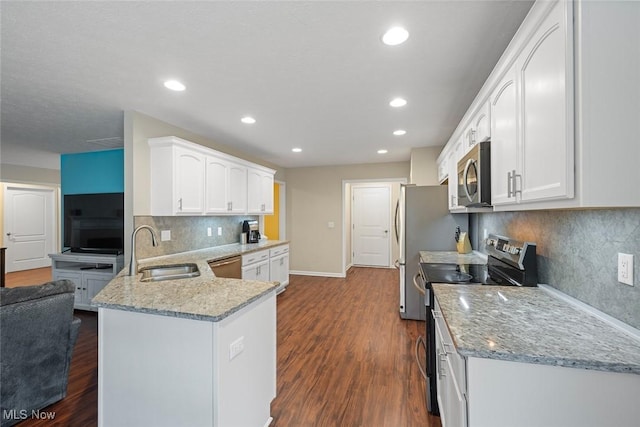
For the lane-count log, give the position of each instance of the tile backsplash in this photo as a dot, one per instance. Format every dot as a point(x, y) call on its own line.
point(577, 252)
point(188, 233)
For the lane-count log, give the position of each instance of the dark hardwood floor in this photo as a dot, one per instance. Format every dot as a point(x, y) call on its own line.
point(345, 358)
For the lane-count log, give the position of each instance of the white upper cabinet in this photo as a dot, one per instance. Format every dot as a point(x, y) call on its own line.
point(226, 187)
point(190, 179)
point(545, 169)
point(189, 167)
point(504, 136)
point(482, 124)
point(443, 169)
point(563, 111)
point(260, 191)
point(177, 180)
point(456, 153)
point(532, 118)
point(237, 196)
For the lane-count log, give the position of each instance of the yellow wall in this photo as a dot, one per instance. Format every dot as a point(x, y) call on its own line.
point(272, 222)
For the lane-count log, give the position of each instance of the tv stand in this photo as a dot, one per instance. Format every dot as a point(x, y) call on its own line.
point(89, 272)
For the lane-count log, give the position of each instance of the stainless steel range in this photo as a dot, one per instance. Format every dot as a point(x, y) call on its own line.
point(510, 263)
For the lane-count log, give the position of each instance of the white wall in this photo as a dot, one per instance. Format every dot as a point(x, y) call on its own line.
point(314, 198)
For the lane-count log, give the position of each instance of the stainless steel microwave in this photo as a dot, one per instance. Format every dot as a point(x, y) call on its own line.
point(474, 177)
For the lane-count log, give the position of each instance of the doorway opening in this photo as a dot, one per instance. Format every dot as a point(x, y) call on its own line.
point(367, 222)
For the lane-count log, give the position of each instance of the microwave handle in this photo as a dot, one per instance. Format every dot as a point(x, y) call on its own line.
point(464, 179)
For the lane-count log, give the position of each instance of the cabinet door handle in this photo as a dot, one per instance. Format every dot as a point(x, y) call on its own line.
point(180, 204)
point(515, 184)
point(442, 371)
point(509, 184)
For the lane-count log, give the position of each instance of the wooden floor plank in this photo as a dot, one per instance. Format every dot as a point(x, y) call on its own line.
point(345, 358)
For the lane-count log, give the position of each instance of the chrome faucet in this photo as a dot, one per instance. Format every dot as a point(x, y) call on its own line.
point(133, 264)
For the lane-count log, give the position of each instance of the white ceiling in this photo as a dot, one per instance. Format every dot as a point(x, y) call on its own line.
point(314, 74)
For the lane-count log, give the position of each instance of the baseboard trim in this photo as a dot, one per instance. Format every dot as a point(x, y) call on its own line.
point(317, 273)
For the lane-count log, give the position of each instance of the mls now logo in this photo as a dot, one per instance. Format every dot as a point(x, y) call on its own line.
point(23, 414)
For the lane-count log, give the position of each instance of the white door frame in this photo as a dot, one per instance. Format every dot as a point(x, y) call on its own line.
point(346, 211)
point(388, 186)
point(55, 225)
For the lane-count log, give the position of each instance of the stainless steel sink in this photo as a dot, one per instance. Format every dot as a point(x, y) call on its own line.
point(156, 273)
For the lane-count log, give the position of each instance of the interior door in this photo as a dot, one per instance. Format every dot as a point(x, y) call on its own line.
point(29, 227)
point(371, 222)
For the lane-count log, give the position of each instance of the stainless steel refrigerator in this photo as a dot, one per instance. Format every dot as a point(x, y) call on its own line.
point(422, 223)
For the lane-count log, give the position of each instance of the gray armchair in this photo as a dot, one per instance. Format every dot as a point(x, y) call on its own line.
point(37, 335)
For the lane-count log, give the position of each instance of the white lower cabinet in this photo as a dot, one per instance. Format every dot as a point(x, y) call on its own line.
point(255, 266)
point(450, 377)
point(479, 392)
point(279, 266)
point(268, 265)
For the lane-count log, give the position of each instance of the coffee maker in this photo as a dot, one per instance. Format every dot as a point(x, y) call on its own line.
point(251, 228)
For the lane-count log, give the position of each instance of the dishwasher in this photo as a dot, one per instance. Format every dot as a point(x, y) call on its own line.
point(230, 268)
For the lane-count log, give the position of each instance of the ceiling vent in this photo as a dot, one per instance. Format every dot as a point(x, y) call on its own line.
point(115, 142)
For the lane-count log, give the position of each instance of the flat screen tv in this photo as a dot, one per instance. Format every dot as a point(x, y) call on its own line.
point(94, 223)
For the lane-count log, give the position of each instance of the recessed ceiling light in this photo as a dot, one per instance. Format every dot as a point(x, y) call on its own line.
point(248, 120)
point(174, 85)
point(383, 151)
point(395, 36)
point(398, 102)
point(399, 132)
point(296, 150)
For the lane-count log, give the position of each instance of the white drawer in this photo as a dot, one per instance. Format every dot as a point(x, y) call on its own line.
point(254, 257)
point(279, 250)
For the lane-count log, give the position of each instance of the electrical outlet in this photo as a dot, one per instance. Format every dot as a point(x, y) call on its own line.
point(165, 235)
point(219, 231)
point(625, 269)
point(236, 347)
point(209, 231)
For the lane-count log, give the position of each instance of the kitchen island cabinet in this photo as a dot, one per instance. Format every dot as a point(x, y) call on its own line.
point(199, 351)
point(510, 356)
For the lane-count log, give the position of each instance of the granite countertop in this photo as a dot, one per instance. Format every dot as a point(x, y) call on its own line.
point(452, 257)
point(531, 325)
point(204, 297)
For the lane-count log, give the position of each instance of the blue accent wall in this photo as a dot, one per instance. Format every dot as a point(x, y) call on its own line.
point(92, 172)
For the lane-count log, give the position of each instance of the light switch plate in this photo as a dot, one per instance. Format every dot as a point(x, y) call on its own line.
point(165, 235)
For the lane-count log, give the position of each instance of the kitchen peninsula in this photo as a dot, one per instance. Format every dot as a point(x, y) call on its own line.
point(197, 351)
